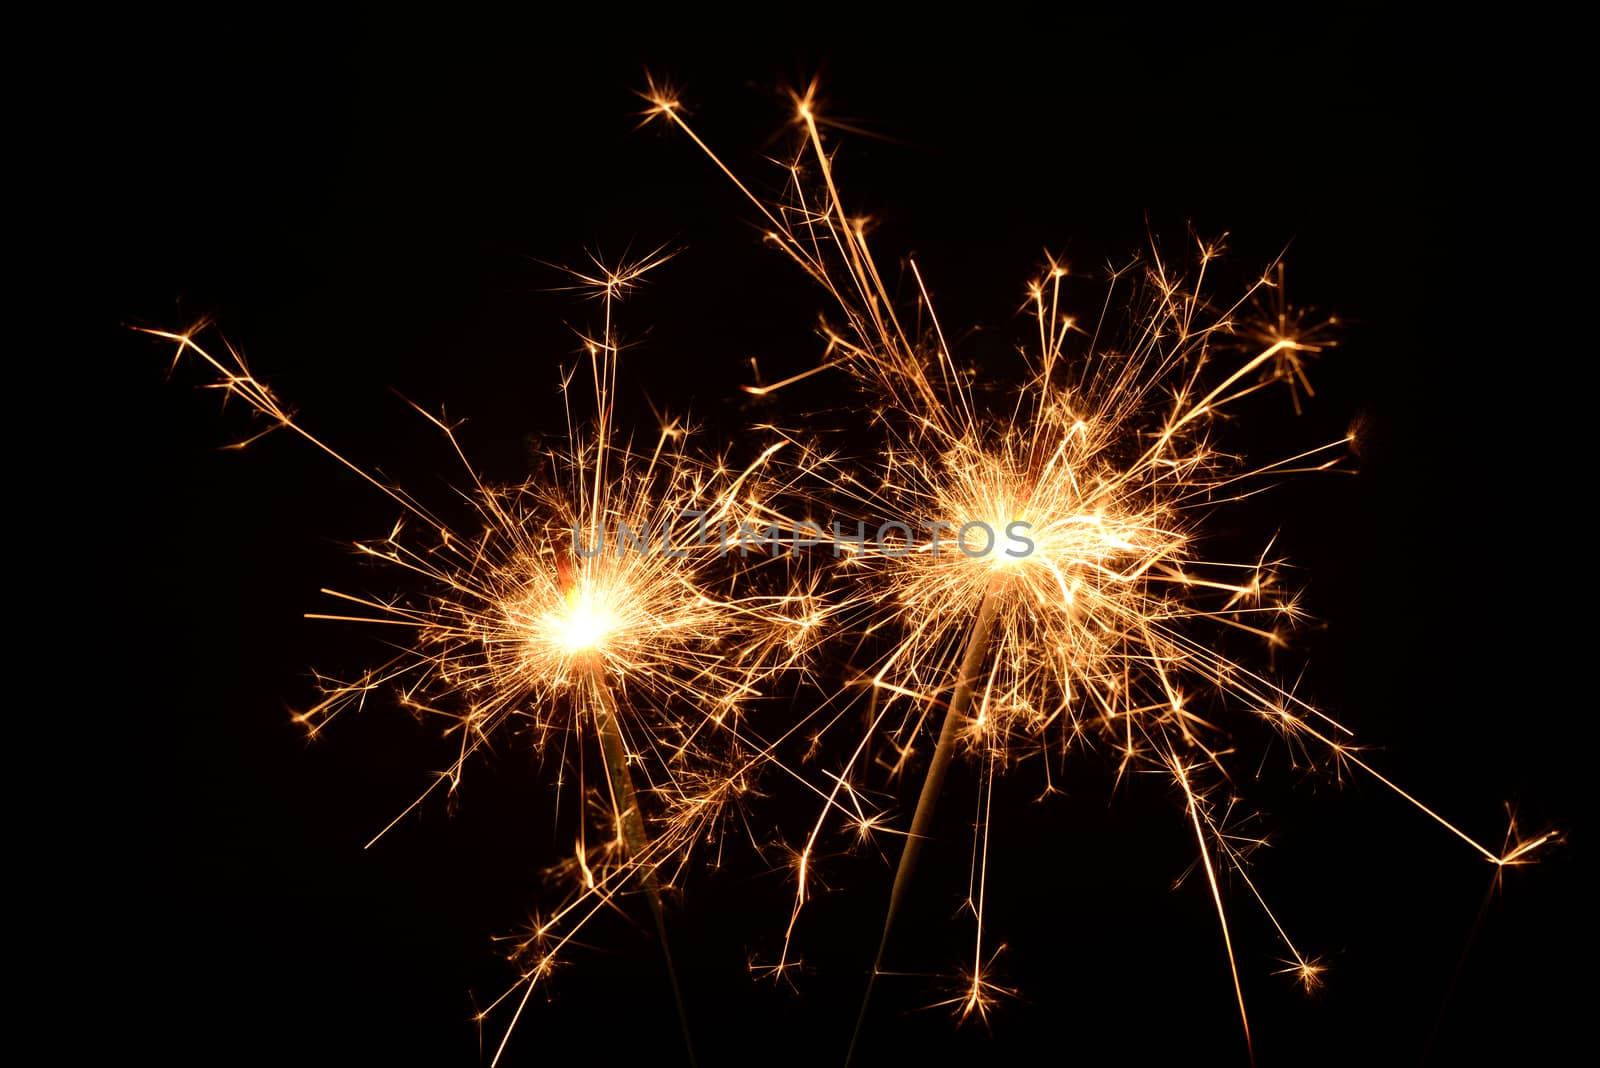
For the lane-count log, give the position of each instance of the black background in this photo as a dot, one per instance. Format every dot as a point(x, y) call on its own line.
point(361, 202)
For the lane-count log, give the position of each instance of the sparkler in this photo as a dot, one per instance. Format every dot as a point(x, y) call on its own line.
point(1101, 634)
point(580, 611)
point(1100, 625)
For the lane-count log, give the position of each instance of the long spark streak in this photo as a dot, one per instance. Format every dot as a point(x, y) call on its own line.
point(976, 651)
point(1192, 803)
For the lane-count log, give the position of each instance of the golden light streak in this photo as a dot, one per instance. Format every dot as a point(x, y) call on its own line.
point(1192, 802)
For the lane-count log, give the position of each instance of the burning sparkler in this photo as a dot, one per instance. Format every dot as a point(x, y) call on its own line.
point(585, 610)
point(1049, 591)
point(1092, 620)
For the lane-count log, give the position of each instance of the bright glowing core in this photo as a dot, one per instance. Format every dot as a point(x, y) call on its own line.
point(585, 623)
point(1004, 548)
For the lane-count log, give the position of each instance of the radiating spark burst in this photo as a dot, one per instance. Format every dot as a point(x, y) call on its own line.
point(1105, 631)
point(544, 617)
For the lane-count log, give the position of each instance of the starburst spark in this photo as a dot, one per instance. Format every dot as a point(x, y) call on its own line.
point(1103, 623)
point(578, 610)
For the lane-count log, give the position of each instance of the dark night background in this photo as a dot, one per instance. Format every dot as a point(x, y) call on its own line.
point(361, 202)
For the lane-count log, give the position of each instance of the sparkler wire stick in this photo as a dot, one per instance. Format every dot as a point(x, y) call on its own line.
point(635, 839)
point(977, 648)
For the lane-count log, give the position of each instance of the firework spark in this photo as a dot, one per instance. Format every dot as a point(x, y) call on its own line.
point(1084, 612)
point(579, 610)
point(1087, 614)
